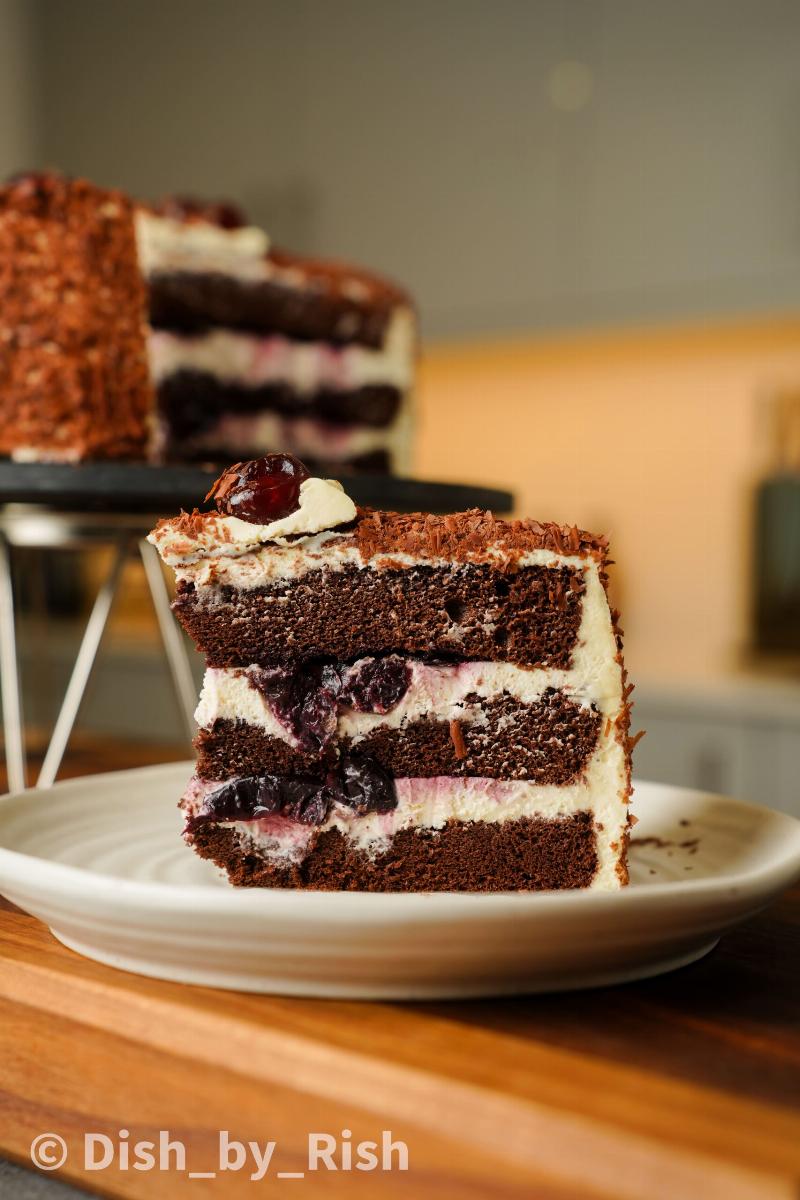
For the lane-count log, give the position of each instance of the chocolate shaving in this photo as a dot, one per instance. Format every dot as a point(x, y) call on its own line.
point(471, 536)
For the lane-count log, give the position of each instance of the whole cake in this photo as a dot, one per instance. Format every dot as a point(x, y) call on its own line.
point(178, 332)
point(399, 702)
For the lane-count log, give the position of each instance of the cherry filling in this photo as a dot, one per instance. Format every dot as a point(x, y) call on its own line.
point(375, 684)
point(262, 490)
point(359, 785)
point(307, 698)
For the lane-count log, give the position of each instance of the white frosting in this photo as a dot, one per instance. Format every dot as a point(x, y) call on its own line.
point(167, 245)
point(323, 506)
point(255, 566)
point(253, 434)
point(251, 361)
point(438, 691)
point(594, 669)
point(227, 695)
point(192, 561)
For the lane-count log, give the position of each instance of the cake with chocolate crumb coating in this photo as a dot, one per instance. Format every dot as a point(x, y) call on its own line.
point(177, 332)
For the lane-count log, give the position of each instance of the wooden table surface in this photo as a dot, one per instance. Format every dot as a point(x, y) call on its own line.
point(682, 1086)
point(678, 1087)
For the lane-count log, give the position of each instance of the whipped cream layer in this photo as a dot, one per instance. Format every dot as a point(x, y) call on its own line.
point(432, 803)
point(258, 563)
point(438, 691)
point(252, 362)
point(254, 434)
point(199, 247)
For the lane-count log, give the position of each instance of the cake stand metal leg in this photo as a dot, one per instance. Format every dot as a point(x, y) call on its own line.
point(174, 644)
point(83, 667)
point(13, 730)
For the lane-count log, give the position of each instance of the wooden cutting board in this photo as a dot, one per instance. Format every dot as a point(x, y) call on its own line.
point(676, 1087)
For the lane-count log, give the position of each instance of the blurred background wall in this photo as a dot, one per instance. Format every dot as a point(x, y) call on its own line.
point(20, 94)
point(520, 162)
point(597, 205)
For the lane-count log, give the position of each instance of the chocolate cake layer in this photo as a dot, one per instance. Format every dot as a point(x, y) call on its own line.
point(190, 303)
point(530, 617)
point(529, 854)
point(234, 748)
point(193, 401)
point(549, 742)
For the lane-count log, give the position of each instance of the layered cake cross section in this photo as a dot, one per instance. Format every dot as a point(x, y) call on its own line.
point(400, 702)
point(255, 349)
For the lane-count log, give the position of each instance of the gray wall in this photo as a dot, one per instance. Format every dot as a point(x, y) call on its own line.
point(19, 93)
point(447, 142)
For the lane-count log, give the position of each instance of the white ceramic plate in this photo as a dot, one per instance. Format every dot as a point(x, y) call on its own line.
point(100, 860)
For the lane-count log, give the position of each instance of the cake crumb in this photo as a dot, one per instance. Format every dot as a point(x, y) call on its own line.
point(459, 745)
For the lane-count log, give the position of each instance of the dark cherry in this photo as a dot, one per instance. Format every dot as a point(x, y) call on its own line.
point(376, 684)
point(225, 214)
point(367, 787)
point(304, 699)
point(313, 808)
point(262, 490)
point(240, 800)
point(253, 797)
point(359, 784)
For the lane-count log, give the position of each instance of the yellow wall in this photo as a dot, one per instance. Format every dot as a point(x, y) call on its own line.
point(655, 438)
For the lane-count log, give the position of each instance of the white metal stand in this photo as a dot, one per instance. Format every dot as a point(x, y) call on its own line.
point(22, 525)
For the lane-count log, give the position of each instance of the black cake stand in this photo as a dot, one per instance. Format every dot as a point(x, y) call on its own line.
point(57, 506)
point(140, 488)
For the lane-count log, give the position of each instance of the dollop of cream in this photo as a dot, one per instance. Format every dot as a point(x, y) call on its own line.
point(324, 506)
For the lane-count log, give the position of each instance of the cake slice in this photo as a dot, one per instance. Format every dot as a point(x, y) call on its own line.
point(399, 702)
